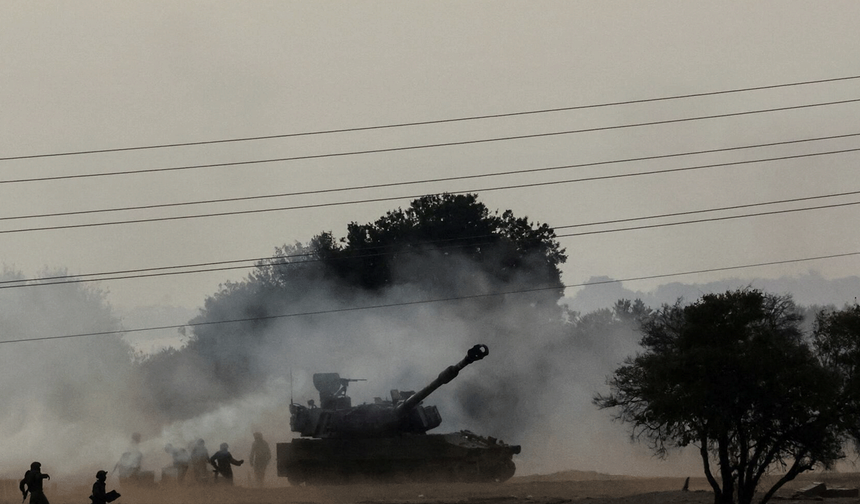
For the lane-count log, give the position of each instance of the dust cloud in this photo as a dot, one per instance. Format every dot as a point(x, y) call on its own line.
point(73, 403)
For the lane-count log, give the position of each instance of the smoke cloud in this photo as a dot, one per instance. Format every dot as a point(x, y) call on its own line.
point(73, 403)
point(534, 389)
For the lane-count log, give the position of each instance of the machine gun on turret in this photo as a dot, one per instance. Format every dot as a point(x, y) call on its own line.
point(332, 389)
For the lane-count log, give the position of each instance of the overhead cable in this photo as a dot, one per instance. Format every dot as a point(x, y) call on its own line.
point(440, 144)
point(438, 121)
point(431, 300)
point(402, 197)
point(427, 181)
point(284, 259)
point(711, 219)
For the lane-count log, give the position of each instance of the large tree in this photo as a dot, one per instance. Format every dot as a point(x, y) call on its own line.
point(837, 340)
point(503, 246)
point(733, 375)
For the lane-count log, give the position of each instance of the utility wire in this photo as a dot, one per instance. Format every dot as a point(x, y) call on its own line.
point(284, 259)
point(712, 219)
point(721, 209)
point(429, 122)
point(440, 144)
point(394, 198)
point(433, 300)
point(427, 181)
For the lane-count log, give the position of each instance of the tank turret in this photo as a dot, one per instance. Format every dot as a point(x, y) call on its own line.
point(335, 417)
point(387, 440)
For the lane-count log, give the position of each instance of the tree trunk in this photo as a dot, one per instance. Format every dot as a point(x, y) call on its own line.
point(728, 492)
point(796, 468)
point(706, 464)
point(746, 492)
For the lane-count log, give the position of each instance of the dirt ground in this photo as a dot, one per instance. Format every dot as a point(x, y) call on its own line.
point(571, 486)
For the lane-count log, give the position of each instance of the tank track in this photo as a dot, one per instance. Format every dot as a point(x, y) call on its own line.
point(458, 457)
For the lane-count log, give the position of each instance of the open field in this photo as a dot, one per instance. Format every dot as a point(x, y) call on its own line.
point(571, 486)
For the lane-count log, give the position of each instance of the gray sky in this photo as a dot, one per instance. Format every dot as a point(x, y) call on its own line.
point(82, 76)
point(91, 75)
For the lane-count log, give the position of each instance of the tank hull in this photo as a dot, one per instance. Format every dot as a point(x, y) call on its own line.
point(456, 457)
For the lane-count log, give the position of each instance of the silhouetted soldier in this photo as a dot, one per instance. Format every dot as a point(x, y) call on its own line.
point(223, 463)
point(33, 481)
point(181, 460)
point(100, 496)
point(128, 467)
point(259, 457)
point(200, 461)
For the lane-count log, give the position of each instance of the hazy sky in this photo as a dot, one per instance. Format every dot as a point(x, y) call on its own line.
point(93, 75)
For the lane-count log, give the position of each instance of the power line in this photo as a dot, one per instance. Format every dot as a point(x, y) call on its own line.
point(161, 271)
point(427, 181)
point(143, 272)
point(720, 209)
point(712, 219)
point(439, 121)
point(440, 144)
point(434, 300)
point(394, 198)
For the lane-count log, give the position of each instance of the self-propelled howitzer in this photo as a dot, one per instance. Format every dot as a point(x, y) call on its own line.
point(386, 440)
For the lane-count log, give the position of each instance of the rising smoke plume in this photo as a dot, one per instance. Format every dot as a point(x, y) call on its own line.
point(75, 402)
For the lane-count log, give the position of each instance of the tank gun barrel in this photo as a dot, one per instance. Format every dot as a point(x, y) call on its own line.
point(475, 353)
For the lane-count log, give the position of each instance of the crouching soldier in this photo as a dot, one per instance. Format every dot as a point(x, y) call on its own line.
point(100, 496)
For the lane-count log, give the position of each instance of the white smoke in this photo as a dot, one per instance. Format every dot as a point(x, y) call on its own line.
point(67, 402)
point(73, 403)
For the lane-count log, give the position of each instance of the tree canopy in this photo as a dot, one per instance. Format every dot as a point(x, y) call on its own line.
point(837, 339)
point(501, 245)
point(733, 375)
